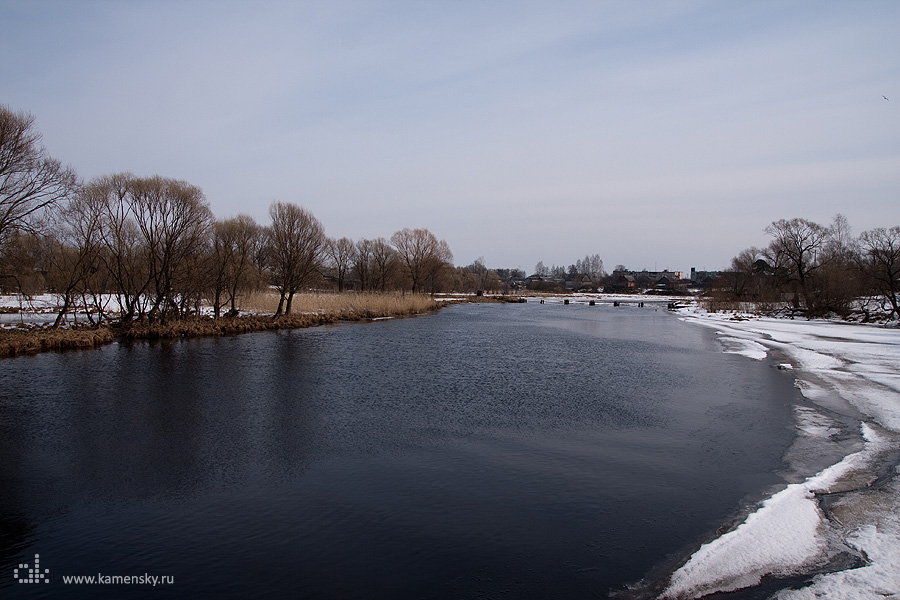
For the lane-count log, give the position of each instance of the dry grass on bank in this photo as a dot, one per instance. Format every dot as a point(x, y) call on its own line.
point(40, 339)
point(207, 326)
point(347, 305)
point(308, 310)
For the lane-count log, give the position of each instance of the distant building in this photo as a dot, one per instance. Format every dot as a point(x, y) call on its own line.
point(622, 282)
point(664, 283)
point(671, 282)
point(646, 275)
point(703, 279)
point(698, 275)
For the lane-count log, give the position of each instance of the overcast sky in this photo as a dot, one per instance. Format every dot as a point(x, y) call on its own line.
point(657, 134)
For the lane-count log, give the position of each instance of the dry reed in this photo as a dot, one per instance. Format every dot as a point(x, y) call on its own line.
point(347, 305)
point(40, 339)
point(308, 310)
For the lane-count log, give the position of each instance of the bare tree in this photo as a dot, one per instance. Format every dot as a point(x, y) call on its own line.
point(880, 261)
point(30, 181)
point(747, 276)
point(797, 245)
point(487, 278)
point(236, 244)
point(341, 254)
point(840, 238)
point(362, 263)
point(422, 256)
point(476, 277)
point(122, 252)
point(74, 254)
point(23, 264)
point(174, 220)
point(837, 281)
point(384, 264)
point(153, 238)
point(591, 265)
point(438, 267)
point(296, 244)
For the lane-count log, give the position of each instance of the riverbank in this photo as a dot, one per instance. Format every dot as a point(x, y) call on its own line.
point(309, 310)
point(839, 528)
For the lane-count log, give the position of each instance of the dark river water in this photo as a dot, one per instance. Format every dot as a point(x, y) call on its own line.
point(517, 451)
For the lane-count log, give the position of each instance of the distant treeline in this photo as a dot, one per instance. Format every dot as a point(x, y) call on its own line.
point(149, 248)
point(815, 269)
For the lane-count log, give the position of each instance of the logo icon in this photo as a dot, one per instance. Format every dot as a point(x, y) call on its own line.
point(26, 574)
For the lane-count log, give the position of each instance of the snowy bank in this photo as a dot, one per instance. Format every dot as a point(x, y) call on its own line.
point(848, 371)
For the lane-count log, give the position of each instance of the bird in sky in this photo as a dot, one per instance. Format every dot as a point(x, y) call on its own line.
point(885, 97)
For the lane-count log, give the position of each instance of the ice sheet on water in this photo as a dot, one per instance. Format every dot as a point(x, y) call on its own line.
point(811, 360)
point(822, 440)
point(880, 403)
point(874, 534)
point(814, 424)
point(748, 348)
point(789, 533)
point(810, 390)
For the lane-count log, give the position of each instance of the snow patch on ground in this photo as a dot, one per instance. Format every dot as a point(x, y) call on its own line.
point(789, 533)
point(875, 521)
point(785, 535)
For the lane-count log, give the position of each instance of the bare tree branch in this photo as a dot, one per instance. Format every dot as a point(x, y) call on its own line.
point(30, 181)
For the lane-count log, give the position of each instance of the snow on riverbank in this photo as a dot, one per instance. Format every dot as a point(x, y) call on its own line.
point(846, 370)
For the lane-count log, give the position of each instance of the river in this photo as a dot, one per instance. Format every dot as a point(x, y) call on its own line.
point(521, 450)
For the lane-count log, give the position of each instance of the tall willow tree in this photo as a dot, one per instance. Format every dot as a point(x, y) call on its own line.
point(235, 247)
point(152, 234)
point(880, 260)
point(422, 256)
point(296, 246)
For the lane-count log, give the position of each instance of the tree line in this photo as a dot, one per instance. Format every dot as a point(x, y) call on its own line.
point(817, 269)
point(591, 266)
point(154, 245)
